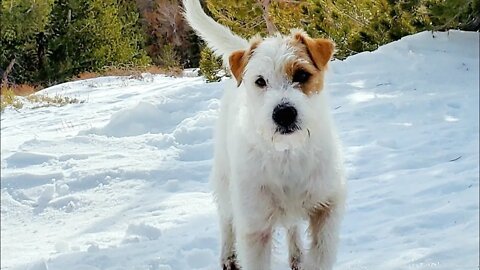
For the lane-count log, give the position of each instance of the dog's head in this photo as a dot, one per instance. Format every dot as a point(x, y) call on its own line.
point(283, 77)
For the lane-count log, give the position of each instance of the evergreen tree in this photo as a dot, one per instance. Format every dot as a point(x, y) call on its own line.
point(22, 37)
point(87, 35)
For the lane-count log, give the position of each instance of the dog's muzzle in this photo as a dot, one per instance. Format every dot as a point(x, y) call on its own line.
point(285, 117)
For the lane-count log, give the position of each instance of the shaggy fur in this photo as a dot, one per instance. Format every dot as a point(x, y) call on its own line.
point(263, 178)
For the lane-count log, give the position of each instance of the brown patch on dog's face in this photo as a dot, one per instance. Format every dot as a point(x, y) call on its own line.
point(310, 63)
point(238, 61)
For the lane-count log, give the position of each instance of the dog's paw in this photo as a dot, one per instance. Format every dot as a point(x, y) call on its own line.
point(230, 263)
point(295, 263)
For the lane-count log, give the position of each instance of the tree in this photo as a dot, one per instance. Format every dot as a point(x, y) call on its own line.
point(22, 27)
point(87, 35)
point(171, 40)
point(458, 14)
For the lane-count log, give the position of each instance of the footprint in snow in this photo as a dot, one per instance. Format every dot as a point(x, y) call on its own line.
point(139, 232)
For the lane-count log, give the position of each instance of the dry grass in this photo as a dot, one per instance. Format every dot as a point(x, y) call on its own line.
point(10, 97)
point(86, 75)
point(41, 101)
point(20, 89)
point(134, 73)
point(25, 89)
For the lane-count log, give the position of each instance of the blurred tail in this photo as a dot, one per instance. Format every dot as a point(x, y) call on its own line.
point(218, 37)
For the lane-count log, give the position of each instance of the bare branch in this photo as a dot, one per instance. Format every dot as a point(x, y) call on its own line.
point(271, 28)
point(6, 72)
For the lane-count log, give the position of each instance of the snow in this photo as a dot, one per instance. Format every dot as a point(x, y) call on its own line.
point(121, 180)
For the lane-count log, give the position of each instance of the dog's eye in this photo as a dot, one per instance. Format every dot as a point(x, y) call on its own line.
point(260, 82)
point(301, 76)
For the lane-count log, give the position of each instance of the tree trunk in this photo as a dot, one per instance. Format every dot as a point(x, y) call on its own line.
point(4, 81)
point(271, 28)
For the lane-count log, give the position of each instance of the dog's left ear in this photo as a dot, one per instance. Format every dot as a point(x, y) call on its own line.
point(320, 49)
point(237, 64)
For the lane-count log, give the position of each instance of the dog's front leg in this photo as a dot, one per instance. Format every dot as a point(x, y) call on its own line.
point(254, 249)
point(324, 229)
point(254, 219)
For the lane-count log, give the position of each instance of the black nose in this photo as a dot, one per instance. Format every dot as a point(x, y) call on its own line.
point(285, 115)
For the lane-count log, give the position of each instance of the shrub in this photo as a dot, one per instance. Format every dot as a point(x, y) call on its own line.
point(210, 65)
point(52, 40)
point(168, 57)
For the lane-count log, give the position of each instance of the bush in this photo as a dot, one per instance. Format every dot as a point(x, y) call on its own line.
point(52, 40)
point(210, 65)
point(168, 57)
point(355, 26)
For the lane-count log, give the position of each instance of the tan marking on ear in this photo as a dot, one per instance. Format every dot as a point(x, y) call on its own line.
point(305, 61)
point(318, 216)
point(319, 49)
point(239, 59)
point(237, 65)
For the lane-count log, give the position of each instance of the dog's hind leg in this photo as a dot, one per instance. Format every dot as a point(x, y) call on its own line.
point(294, 250)
point(228, 258)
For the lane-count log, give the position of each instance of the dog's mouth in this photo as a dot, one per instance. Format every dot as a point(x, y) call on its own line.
point(290, 138)
point(287, 130)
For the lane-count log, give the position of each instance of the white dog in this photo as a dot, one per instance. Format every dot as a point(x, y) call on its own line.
point(277, 158)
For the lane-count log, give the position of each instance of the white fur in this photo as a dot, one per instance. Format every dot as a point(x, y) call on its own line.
point(261, 178)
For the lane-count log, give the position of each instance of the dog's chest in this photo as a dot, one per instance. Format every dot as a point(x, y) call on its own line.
point(292, 184)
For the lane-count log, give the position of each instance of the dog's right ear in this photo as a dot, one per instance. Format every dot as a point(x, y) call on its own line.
point(237, 62)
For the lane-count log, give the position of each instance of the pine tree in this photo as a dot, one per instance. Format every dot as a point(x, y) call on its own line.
point(87, 35)
point(22, 30)
point(210, 65)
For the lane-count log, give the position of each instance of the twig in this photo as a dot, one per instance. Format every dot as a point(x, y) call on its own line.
point(455, 159)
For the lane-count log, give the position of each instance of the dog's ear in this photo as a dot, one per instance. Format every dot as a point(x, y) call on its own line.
point(237, 64)
point(319, 49)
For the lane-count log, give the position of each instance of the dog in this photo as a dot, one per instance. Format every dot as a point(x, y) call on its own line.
point(277, 158)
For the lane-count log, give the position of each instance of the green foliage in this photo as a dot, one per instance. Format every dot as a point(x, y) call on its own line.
point(246, 17)
point(210, 65)
point(355, 26)
point(168, 56)
point(243, 17)
point(86, 35)
point(52, 40)
point(22, 24)
point(358, 26)
point(457, 14)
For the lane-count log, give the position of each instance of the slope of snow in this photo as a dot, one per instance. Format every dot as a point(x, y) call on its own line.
point(121, 181)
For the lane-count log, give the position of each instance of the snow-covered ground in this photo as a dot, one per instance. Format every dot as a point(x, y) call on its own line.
point(121, 181)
